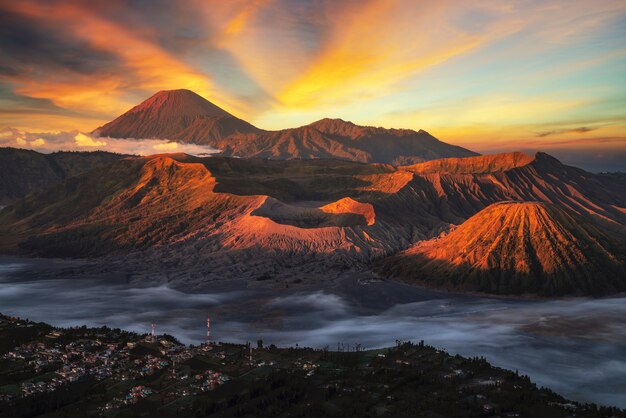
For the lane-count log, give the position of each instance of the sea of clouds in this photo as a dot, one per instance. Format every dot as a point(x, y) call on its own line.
point(48, 142)
point(575, 346)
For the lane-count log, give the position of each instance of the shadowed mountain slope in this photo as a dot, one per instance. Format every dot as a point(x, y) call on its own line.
point(518, 247)
point(24, 171)
point(183, 116)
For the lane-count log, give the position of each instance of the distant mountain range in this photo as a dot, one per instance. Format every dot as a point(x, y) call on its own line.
point(184, 116)
point(443, 222)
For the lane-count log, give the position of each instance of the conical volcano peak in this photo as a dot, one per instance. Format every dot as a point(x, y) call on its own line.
point(518, 247)
point(180, 103)
point(180, 115)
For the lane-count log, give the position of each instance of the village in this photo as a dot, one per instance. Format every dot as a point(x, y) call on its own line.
point(60, 358)
point(110, 372)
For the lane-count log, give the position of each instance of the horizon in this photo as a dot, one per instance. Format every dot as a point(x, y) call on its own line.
point(489, 77)
point(75, 140)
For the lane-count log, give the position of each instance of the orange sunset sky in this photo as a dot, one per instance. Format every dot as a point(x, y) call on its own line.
point(488, 75)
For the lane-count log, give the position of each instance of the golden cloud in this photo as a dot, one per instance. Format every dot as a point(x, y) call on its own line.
point(168, 146)
point(83, 140)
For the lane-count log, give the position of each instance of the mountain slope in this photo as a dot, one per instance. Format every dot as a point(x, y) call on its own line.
point(209, 209)
point(226, 217)
point(476, 165)
point(183, 116)
point(179, 115)
point(518, 247)
point(335, 138)
point(464, 186)
point(24, 171)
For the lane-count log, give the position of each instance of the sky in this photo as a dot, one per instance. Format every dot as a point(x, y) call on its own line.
point(489, 75)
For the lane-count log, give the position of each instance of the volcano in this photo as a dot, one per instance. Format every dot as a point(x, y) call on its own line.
point(221, 217)
point(184, 116)
point(518, 247)
point(179, 115)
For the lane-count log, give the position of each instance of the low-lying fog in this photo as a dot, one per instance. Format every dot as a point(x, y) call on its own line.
point(576, 347)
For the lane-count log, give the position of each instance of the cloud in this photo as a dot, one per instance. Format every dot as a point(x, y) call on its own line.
point(128, 59)
point(581, 130)
point(169, 146)
point(556, 342)
point(39, 142)
point(78, 141)
point(83, 140)
point(241, 19)
point(22, 139)
point(372, 46)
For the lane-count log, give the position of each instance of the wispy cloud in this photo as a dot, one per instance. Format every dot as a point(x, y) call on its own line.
point(581, 130)
point(371, 46)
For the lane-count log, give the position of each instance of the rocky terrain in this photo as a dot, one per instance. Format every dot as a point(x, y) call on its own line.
point(183, 116)
point(202, 219)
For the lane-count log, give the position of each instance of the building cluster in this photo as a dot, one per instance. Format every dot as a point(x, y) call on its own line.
point(307, 365)
point(208, 380)
point(55, 364)
point(146, 366)
point(134, 395)
point(56, 359)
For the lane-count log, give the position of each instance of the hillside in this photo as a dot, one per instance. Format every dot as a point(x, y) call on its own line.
point(24, 171)
point(518, 247)
point(183, 116)
point(217, 218)
point(232, 380)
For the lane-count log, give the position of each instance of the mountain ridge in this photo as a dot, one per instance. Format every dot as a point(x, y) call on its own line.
point(221, 217)
point(184, 116)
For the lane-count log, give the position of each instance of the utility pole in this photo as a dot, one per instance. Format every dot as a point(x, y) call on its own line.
point(208, 331)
